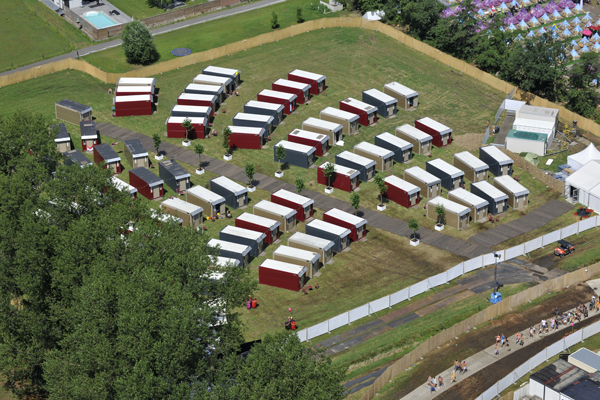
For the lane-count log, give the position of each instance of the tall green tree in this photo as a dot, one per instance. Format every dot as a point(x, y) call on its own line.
point(493, 47)
point(582, 97)
point(420, 16)
point(138, 44)
point(458, 36)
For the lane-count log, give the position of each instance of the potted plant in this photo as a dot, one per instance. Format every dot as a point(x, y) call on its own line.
point(249, 171)
point(413, 225)
point(355, 201)
point(199, 149)
point(157, 141)
point(382, 187)
point(328, 172)
point(226, 134)
point(187, 124)
point(280, 154)
point(441, 217)
point(299, 185)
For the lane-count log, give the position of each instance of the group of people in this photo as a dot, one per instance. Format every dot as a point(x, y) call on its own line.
point(459, 367)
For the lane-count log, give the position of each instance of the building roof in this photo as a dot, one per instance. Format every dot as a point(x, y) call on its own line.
point(578, 160)
point(340, 114)
point(513, 105)
point(375, 150)
point(355, 158)
point(107, 153)
point(193, 120)
point(126, 81)
point(304, 255)
point(62, 135)
point(258, 220)
point(191, 109)
point(309, 75)
point(359, 104)
point(136, 148)
point(221, 70)
point(395, 140)
point(181, 205)
point(450, 205)
point(319, 137)
point(414, 133)
point(254, 117)
point(206, 195)
point(284, 267)
point(229, 246)
point(147, 176)
point(198, 97)
point(280, 95)
point(468, 197)
point(74, 106)
point(265, 105)
point(497, 155)
point(226, 262)
point(221, 80)
point(586, 360)
point(230, 185)
point(247, 130)
point(122, 185)
point(132, 99)
point(379, 95)
point(510, 184)
point(422, 175)
point(587, 388)
point(472, 161)
point(524, 135)
point(401, 89)
point(403, 185)
point(446, 168)
point(433, 124)
point(345, 216)
point(294, 197)
point(327, 227)
point(490, 190)
point(203, 88)
point(124, 90)
point(77, 157)
point(292, 84)
point(332, 126)
point(244, 233)
point(310, 240)
point(559, 375)
point(301, 148)
point(340, 169)
point(538, 113)
point(274, 208)
point(174, 169)
point(88, 130)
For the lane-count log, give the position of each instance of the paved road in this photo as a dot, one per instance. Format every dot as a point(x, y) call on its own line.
point(164, 29)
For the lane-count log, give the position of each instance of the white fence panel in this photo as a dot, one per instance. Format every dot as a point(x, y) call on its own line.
point(591, 330)
point(506, 382)
point(437, 280)
point(586, 224)
point(550, 238)
point(399, 297)
point(573, 339)
point(359, 312)
point(380, 304)
point(339, 321)
point(417, 288)
point(454, 272)
point(521, 370)
point(569, 230)
point(490, 393)
point(473, 264)
point(555, 348)
point(317, 330)
point(489, 259)
point(598, 220)
point(301, 335)
point(533, 244)
point(514, 252)
point(537, 359)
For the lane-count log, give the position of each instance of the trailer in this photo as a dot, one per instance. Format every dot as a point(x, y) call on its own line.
point(285, 215)
point(134, 90)
point(302, 205)
point(403, 150)
point(452, 177)
point(62, 138)
point(233, 74)
point(288, 100)
point(248, 237)
point(431, 185)
point(300, 155)
point(316, 81)
point(224, 82)
point(457, 215)
point(497, 199)
point(244, 137)
point(106, 158)
point(75, 157)
point(367, 114)
point(236, 251)
point(333, 130)
point(500, 163)
point(478, 205)
point(212, 203)
point(175, 176)
point(136, 82)
point(317, 140)
point(199, 100)
point(215, 90)
point(340, 236)
point(254, 121)
point(383, 157)
point(190, 214)
point(302, 90)
point(364, 165)
point(420, 140)
point(475, 169)
point(343, 178)
point(235, 195)
point(71, 111)
point(175, 128)
point(126, 106)
point(387, 106)
point(148, 185)
point(89, 135)
point(315, 244)
point(191, 111)
point(282, 275)
point(518, 195)
point(124, 186)
point(357, 225)
point(407, 98)
point(441, 134)
point(270, 109)
point(268, 226)
point(136, 153)
point(305, 258)
point(402, 192)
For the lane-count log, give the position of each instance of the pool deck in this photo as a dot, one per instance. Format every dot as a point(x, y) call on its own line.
point(104, 7)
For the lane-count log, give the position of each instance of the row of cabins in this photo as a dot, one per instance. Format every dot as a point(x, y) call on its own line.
point(134, 96)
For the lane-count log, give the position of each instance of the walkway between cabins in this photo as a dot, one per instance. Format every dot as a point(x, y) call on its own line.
point(445, 242)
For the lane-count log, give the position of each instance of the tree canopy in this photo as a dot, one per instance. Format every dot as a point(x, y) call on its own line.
point(138, 44)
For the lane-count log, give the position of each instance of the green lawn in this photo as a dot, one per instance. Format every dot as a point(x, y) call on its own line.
point(139, 9)
point(30, 32)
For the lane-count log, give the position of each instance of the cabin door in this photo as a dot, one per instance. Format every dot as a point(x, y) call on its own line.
point(156, 192)
point(182, 185)
point(445, 140)
point(391, 110)
point(360, 232)
point(372, 118)
point(241, 201)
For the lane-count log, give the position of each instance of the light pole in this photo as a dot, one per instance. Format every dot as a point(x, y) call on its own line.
point(496, 297)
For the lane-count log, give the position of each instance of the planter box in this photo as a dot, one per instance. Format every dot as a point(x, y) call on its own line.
point(186, 143)
point(251, 188)
point(340, 143)
point(278, 174)
point(199, 171)
point(227, 157)
point(381, 207)
point(328, 190)
point(414, 242)
point(439, 227)
point(159, 157)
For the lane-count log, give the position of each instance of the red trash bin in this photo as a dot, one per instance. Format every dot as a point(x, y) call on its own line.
point(293, 325)
point(254, 303)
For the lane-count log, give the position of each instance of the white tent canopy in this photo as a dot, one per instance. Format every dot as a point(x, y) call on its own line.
point(583, 181)
point(374, 15)
point(590, 153)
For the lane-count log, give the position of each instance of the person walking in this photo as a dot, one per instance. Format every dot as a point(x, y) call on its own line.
point(502, 340)
point(496, 351)
point(453, 377)
point(464, 366)
point(440, 381)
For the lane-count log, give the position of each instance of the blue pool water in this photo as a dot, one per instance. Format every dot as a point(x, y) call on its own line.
point(99, 19)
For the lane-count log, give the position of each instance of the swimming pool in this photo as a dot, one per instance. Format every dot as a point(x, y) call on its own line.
point(99, 19)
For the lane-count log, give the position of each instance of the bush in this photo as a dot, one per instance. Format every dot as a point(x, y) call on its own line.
point(274, 21)
point(138, 44)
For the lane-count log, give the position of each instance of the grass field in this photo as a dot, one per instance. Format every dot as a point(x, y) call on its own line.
point(30, 32)
point(139, 9)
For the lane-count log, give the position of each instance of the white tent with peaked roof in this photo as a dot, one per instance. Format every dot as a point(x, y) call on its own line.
point(578, 160)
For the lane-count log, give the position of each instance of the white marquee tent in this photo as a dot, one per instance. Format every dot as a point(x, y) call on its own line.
point(590, 153)
point(583, 181)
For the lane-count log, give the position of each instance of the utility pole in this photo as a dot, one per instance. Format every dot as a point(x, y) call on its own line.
point(496, 296)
